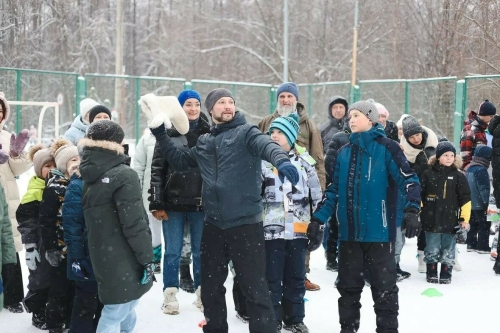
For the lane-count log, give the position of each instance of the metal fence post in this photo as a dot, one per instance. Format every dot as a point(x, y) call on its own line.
point(272, 100)
point(188, 85)
point(407, 97)
point(459, 114)
point(81, 92)
point(137, 109)
point(309, 100)
point(19, 95)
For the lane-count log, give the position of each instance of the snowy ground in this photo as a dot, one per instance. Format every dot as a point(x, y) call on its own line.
point(468, 304)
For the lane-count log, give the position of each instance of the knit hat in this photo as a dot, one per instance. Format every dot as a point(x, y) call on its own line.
point(289, 125)
point(85, 106)
point(487, 108)
point(444, 147)
point(96, 110)
point(106, 130)
point(187, 94)
point(411, 126)
point(40, 155)
point(288, 87)
point(400, 121)
point(381, 109)
point(215, 95)
point(367, 108)
point(63, 150)
point(483, 151)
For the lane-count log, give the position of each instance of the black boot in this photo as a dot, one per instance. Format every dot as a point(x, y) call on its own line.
point(432, 273)
point(496, 267)
point(186, 282)
point(445, 275)
point(401, 275)
point(331, 262)
point(38, 320)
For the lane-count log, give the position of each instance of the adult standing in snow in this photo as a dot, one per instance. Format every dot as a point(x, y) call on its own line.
point(229, 159)
point(7, 251)
point(15, 162)
point(79, 126)
point(337, 117)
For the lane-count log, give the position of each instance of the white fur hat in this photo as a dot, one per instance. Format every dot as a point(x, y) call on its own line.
point(85, 106)
point(166, 110)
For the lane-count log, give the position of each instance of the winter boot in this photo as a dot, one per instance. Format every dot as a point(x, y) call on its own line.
point(432, 273)
point(457, 266)
point(170, 303)
point(14, 308)
point(186, 282)
point(56, 330)
point(198, 303)
point(243, 317)
point(296, 328)
point(421, 263)
point(157, 259)
point(311, 286)
point(401, 275)
point(496, 267)
point(331, 262)
point(38, 320)
point(445, 275)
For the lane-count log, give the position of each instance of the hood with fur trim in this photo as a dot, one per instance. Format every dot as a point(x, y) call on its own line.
point(99, 157)
point(6, 107)
point(433, 161)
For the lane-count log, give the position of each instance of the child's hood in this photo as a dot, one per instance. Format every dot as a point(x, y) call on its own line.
point(36, 186)
point(457, 163)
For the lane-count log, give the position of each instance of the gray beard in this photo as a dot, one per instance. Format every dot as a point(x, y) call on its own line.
point(285, 111)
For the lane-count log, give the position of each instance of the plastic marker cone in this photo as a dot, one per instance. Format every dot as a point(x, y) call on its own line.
point(432, 292)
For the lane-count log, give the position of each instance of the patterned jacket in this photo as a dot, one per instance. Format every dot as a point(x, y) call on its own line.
point(287, 210)
point(473, 134)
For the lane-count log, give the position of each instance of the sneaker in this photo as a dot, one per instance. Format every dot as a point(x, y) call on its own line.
point(198, 302)
point(296, 328)
point(243, 317)
point(401, 275)
point(15, 308)
point(311, 286)
point(170, 303)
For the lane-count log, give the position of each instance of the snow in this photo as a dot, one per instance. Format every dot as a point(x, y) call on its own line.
point(468, 304)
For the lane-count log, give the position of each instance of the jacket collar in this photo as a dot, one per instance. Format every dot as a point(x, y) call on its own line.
point(363, 139)
point(238, 120)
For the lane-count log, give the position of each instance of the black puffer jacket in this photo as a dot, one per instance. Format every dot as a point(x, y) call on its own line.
point(391, 130)
point(494, 130)
point(118, 233)
point(338, 140)
point(177, 191)
point(332, 125)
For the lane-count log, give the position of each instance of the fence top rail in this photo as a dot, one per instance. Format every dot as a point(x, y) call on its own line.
point(37, 71)
point(409, 80)
point(490, 76)
point(264, 85)
point(53, 104)
point(118, 76)
point(323, 83)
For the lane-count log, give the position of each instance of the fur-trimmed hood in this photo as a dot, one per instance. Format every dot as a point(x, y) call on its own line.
point(6, 113)
point(433, 162)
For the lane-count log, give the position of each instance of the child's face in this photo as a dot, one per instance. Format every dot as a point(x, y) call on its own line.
point(447, 158)
point(72, 165)
point(101, 116)
point(359, 122)
point(280, 138)
point(415, 139)
point(46, 168)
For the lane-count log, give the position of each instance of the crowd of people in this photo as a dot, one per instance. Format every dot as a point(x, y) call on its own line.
point(228, 196)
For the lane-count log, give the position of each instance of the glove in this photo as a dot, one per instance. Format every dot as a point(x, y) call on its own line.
point(461, 234)
point(4, 157)
point(32, 256)
point(53, 257)
point(411, 223)
point(158, 130)
point(286, 169)
point(8, 271)
point(149, 273)
point(315, 232)
point(18, 144)
point(81, 268)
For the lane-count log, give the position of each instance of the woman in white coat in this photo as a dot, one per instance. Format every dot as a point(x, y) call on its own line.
point(16, 163)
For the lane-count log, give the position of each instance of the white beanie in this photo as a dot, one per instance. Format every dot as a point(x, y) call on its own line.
point(85, 106)
point(400, 121)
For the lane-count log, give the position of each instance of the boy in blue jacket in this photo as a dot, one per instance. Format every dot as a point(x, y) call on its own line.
point(368, 173)
point(478, 237)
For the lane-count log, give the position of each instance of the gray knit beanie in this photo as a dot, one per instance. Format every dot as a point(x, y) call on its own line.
point(367, 108)
point(215, 95)
point(411, 126)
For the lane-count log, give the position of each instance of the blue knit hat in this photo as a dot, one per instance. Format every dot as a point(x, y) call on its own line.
point(483, 151)
point(187, 94)
point(288, 87)
point(288, 125)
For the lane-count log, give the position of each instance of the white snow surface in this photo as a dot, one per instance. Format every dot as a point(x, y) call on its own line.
point(469, 303)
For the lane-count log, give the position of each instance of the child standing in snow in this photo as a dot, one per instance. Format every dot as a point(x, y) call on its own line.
point(27, 215)
point(446, 205)
point(287, 211)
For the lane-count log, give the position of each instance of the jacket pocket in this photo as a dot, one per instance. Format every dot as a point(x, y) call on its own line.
point(384, 214)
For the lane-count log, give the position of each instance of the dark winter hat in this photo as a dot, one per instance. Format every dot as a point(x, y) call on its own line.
point(487, 108)
point(411, 126)
point(367, 108)
point(289, 125)
point(483, 151)
point(106, 130)
point(288, 87)
point(215, 95)
point(96, 110)
point(444, 147)
point(338, 100)
point(187, 94)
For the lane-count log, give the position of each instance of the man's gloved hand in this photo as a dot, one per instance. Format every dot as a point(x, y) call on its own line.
point(411, 222)
point(4, 157)
point(53, 257)
point(315, 232)
point(81, 268)
point(8, 271)
point(149, 273)
point(32, 256)
point(17, 144)
point(157, 131)
point(288, 170)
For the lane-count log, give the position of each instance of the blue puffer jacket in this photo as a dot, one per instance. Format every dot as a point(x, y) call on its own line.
point(75, 232)
point(364, 194)
point(77, 130)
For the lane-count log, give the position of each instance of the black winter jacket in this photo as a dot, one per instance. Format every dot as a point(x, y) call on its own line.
point(332, 126)
point(230, 162)
point(494, 130)
point(391, 130)
point(338, 141)
point(445, 192)
point(177, 191)
point(118, 233)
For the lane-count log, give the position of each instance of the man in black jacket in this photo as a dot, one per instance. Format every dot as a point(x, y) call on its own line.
point(229, 159)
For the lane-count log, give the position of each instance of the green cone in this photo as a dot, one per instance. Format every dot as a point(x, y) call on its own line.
point(432, 292)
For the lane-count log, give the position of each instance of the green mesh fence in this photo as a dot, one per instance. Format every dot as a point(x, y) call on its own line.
point(479, 88)
point(254, 100)
point(390, 93)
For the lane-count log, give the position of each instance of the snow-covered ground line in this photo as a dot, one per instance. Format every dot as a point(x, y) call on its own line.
point(468, 304)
